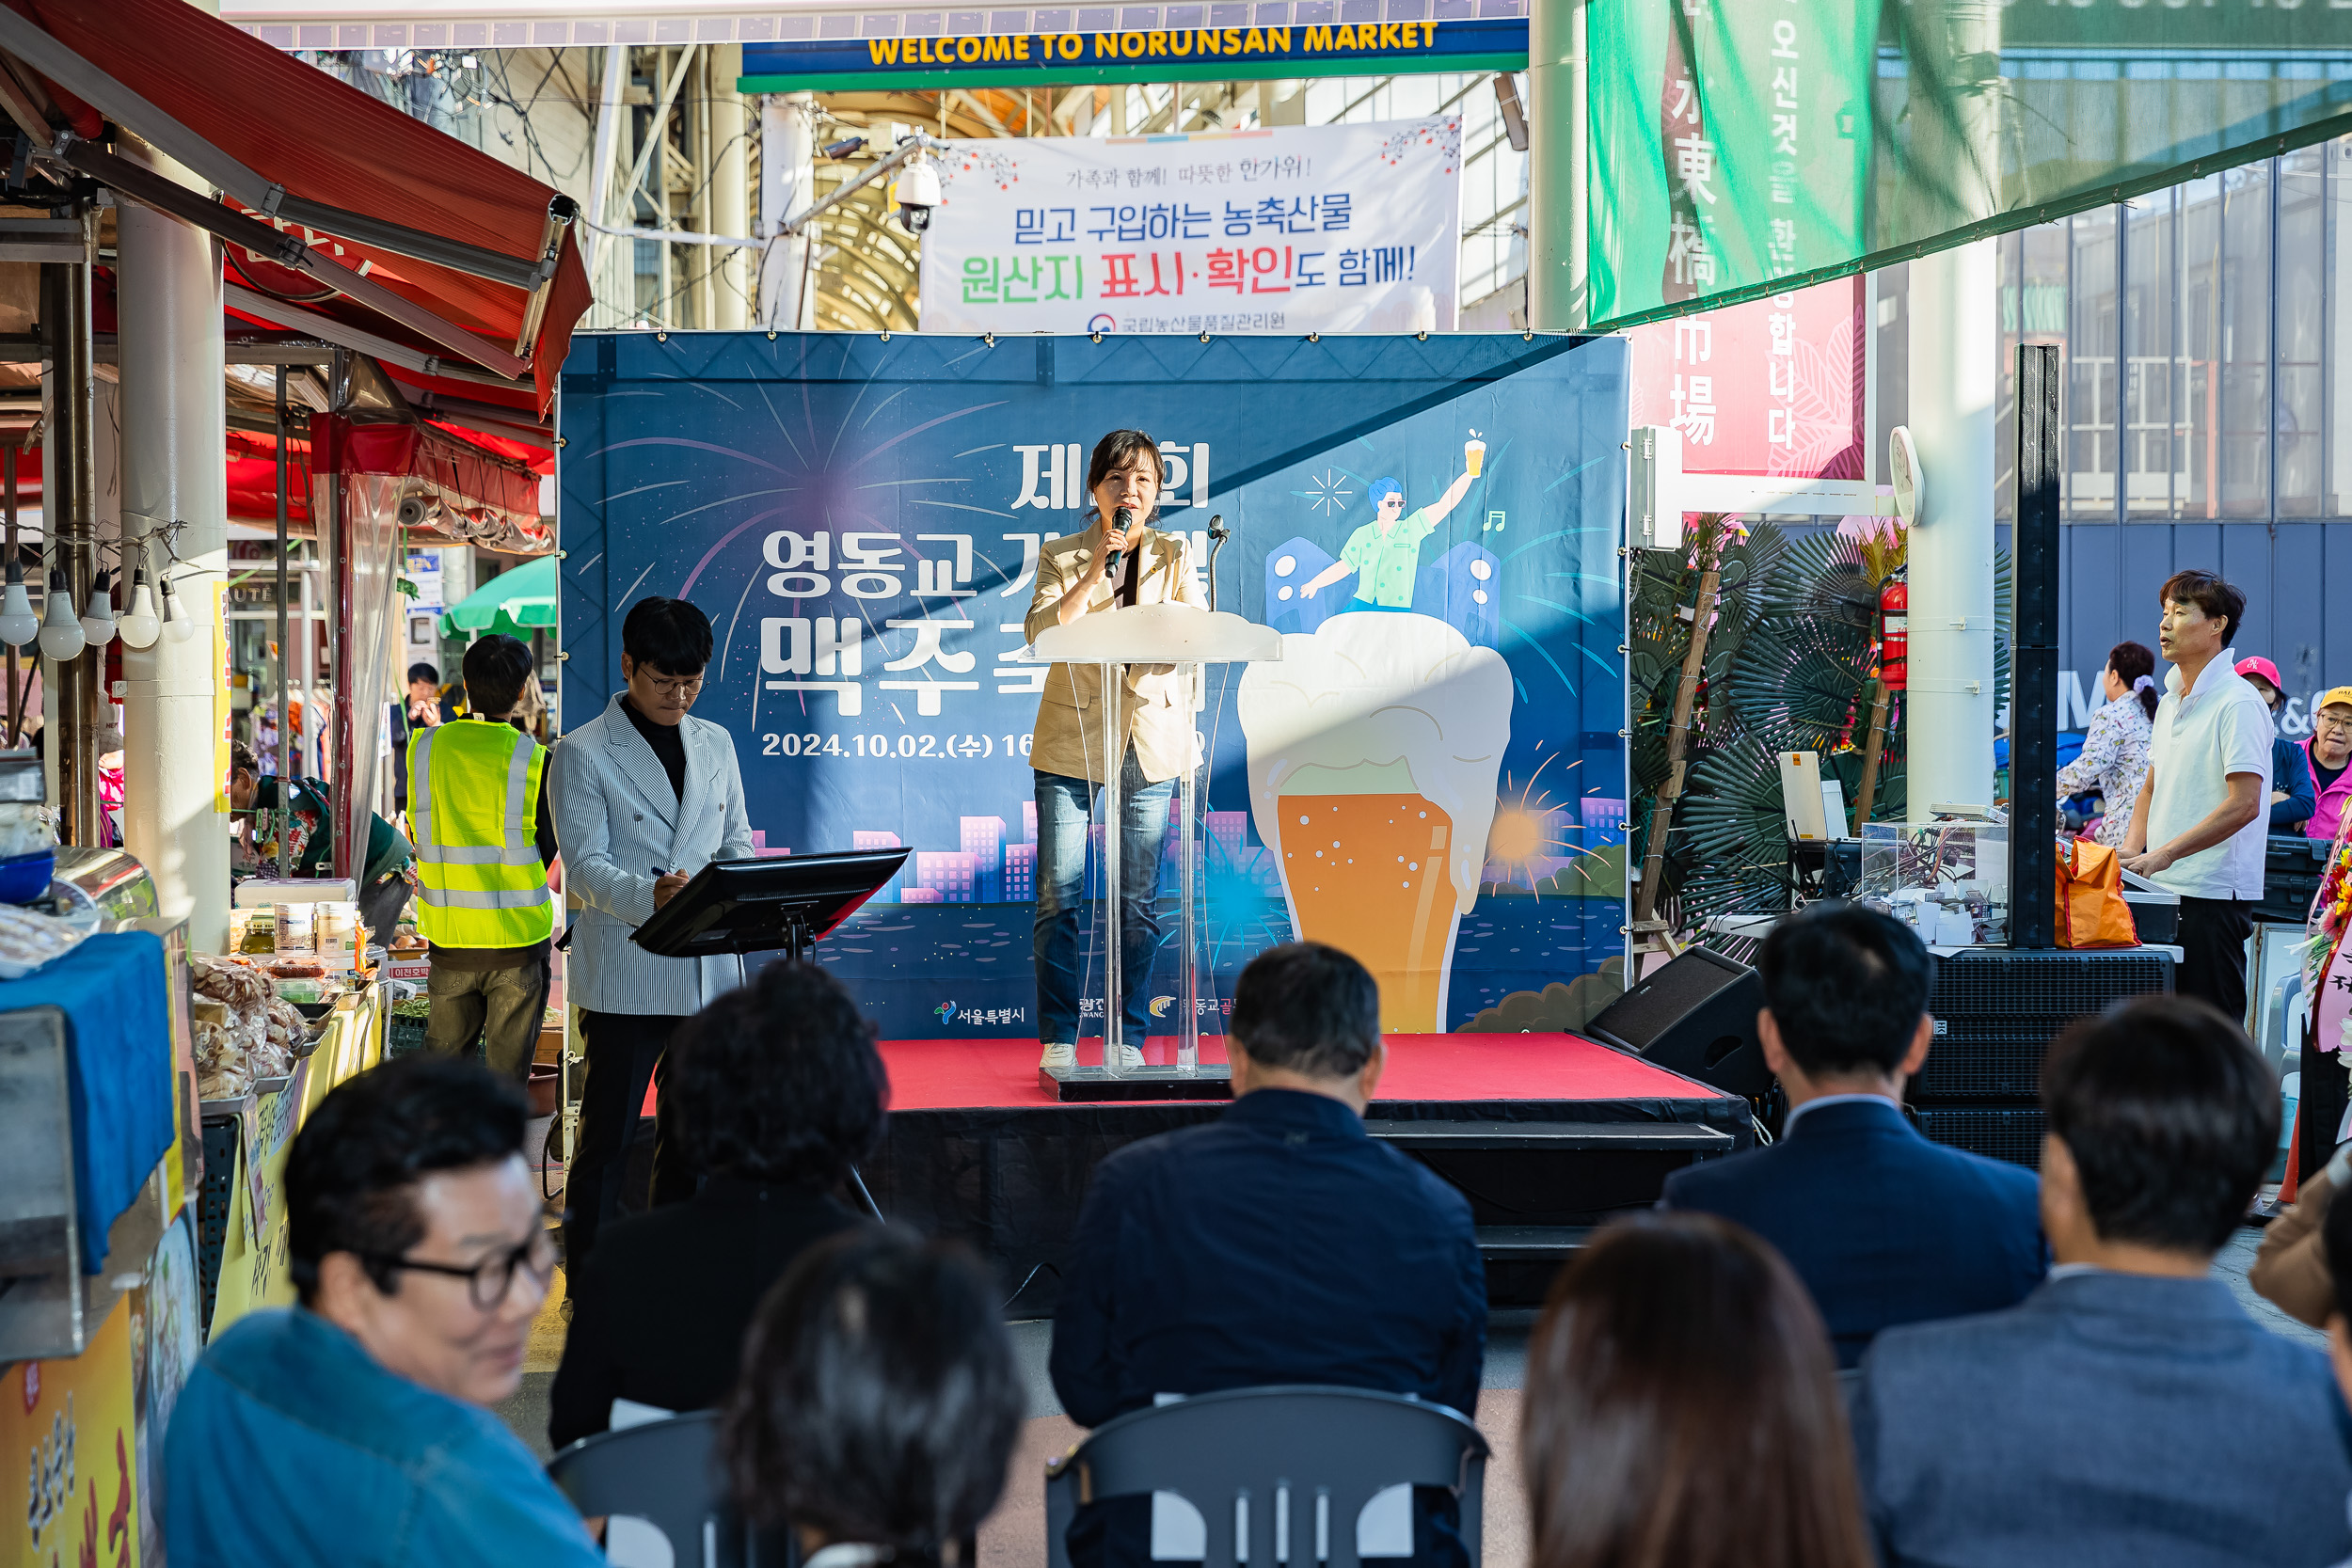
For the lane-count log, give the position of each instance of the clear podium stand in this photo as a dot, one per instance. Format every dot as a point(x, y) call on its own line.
point(1191, 640)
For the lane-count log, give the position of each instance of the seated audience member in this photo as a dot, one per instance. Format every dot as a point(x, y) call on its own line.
point(2293, 793)
point(2336, 1234)
point(2130, 1411)
point(352, 1428)
point(777, 1090)
point(2291, 1267)
point(1681, 1410)
point(879, 1404)
point(1884, 1226)
point(1279, 1243)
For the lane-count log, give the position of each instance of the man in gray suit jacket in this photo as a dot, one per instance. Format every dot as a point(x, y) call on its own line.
point(2128, 1412)
point(645, 796)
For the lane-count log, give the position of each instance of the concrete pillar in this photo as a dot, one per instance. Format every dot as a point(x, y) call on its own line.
point(1954, 375)
point(1557, 213)
point(730, 194)
point(174, 430)
point(788, 184)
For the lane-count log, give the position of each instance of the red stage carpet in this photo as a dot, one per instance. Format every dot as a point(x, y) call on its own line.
point(930, 1075)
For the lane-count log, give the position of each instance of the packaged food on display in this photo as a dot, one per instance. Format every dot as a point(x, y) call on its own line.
point(24, 828)
point(335, 932)
point(29, 939)
point(296, 927)
point(244, 1030)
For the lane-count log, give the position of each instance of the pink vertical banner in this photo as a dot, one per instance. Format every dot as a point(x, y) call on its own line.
point(1772, 386)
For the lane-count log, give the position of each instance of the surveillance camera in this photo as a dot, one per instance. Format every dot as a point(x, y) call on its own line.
point(917, 194)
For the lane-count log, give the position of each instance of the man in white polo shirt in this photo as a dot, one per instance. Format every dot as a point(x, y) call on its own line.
point(2197, 827)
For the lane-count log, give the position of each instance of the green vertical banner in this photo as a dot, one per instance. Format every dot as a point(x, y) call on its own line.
point(1744, 147)
point(1730, 144)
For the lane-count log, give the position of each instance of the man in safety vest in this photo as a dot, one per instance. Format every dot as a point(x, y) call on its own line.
point(484, 843)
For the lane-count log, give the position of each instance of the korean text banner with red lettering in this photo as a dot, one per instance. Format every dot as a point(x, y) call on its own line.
point(1331, 228)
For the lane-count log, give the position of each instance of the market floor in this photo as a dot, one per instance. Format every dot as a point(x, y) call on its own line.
point(1014, 1535)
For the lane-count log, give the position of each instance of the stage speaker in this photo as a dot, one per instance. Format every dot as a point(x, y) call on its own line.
point(1695, 1016)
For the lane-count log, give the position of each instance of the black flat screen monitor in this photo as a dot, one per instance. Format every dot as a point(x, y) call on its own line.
point(758, 906)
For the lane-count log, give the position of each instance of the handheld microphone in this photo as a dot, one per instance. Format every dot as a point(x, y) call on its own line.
point(1123, 519)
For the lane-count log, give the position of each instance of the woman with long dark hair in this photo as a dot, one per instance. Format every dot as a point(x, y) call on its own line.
point(879, 1404)
point(2113, 757)
point(1682, 1410)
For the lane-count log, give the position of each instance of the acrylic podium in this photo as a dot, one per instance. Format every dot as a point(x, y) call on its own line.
point(1191, 640)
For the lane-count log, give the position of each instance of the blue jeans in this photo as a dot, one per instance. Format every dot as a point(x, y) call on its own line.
point(1064, 806)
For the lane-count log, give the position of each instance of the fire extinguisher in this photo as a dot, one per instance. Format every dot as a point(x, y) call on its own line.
point(1893, 634)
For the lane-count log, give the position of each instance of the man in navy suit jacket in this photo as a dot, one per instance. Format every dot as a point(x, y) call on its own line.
point(2129, 1413)
point(1884, 1226)
point(1279, 1243)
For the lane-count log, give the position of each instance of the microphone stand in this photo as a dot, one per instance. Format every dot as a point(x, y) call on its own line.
point(1218, 533)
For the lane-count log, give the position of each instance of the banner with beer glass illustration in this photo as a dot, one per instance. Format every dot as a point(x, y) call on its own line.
point(1431, 777)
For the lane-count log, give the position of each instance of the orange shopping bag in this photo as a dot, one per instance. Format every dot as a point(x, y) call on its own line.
point(2090, 908)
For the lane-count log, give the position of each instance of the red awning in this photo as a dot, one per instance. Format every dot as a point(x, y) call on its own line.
point(481, 498)
point(411, 229)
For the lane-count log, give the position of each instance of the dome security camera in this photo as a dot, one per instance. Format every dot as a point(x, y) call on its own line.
point(917, 194)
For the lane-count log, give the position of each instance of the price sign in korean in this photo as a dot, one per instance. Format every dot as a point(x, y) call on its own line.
point(1329, 227)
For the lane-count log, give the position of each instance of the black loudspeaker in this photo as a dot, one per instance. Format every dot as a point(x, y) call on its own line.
point(1694, 1015)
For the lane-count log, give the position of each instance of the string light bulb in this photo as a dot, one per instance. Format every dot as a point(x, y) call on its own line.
point(19, 624)
point(61, 634)
point(140, 625)
point(98, 615)
point(177, 625)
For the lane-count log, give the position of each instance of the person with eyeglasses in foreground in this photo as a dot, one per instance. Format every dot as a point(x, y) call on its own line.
point(353, 1428)
point(645, 796)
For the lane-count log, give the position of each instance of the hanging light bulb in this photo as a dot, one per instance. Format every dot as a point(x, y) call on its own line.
point(98, 617)
point(140, 623)
point(177, 625)
point(61, 634)
point(18, 623)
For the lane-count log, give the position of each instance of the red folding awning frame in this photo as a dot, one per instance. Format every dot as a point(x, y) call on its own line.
point(377, 220)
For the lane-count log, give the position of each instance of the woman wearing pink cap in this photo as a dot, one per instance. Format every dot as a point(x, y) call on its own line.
point(2292, 795)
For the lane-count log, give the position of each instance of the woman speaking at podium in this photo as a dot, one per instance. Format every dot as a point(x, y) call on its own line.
point(1119, 559)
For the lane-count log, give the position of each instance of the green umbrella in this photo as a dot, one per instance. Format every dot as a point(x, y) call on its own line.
point(513, 603)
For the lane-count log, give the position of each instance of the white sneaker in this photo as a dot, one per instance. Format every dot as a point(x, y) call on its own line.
point(1130, 1058)
point(1064, 1055)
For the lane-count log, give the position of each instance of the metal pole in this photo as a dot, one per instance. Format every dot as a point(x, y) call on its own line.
point(18, 686)
point(1557, 167)
point(343, 730)
point(65, 333)
point(2034, 655)
point(1114, 806)
point(1955, 372)
point(285, 774)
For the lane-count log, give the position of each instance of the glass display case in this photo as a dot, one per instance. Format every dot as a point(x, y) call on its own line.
point(1947, 881)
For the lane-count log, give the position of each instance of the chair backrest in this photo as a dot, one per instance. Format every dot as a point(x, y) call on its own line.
point(663, 1472)
point(1290, 1460)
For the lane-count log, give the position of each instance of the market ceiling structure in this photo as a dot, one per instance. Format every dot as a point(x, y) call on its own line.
point(345, 226)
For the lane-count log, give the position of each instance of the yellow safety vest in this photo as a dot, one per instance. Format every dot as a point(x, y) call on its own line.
point(473, 803)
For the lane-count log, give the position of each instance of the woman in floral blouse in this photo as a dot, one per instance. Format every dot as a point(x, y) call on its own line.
point(2113, 757)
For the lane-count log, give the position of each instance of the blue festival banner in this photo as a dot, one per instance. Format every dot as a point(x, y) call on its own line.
point(1431, 777)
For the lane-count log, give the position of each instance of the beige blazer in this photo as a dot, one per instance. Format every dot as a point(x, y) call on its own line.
point(1159, 699)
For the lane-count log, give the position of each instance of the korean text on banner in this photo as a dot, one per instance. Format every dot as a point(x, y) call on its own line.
point(1733, 154)
point(1738, 145)
point(1329, 228)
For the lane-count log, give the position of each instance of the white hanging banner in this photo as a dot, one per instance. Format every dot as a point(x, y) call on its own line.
point(1297, 229)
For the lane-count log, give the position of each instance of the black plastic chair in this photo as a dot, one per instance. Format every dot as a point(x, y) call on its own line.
point(664, 1473)
point(1292, 1459)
